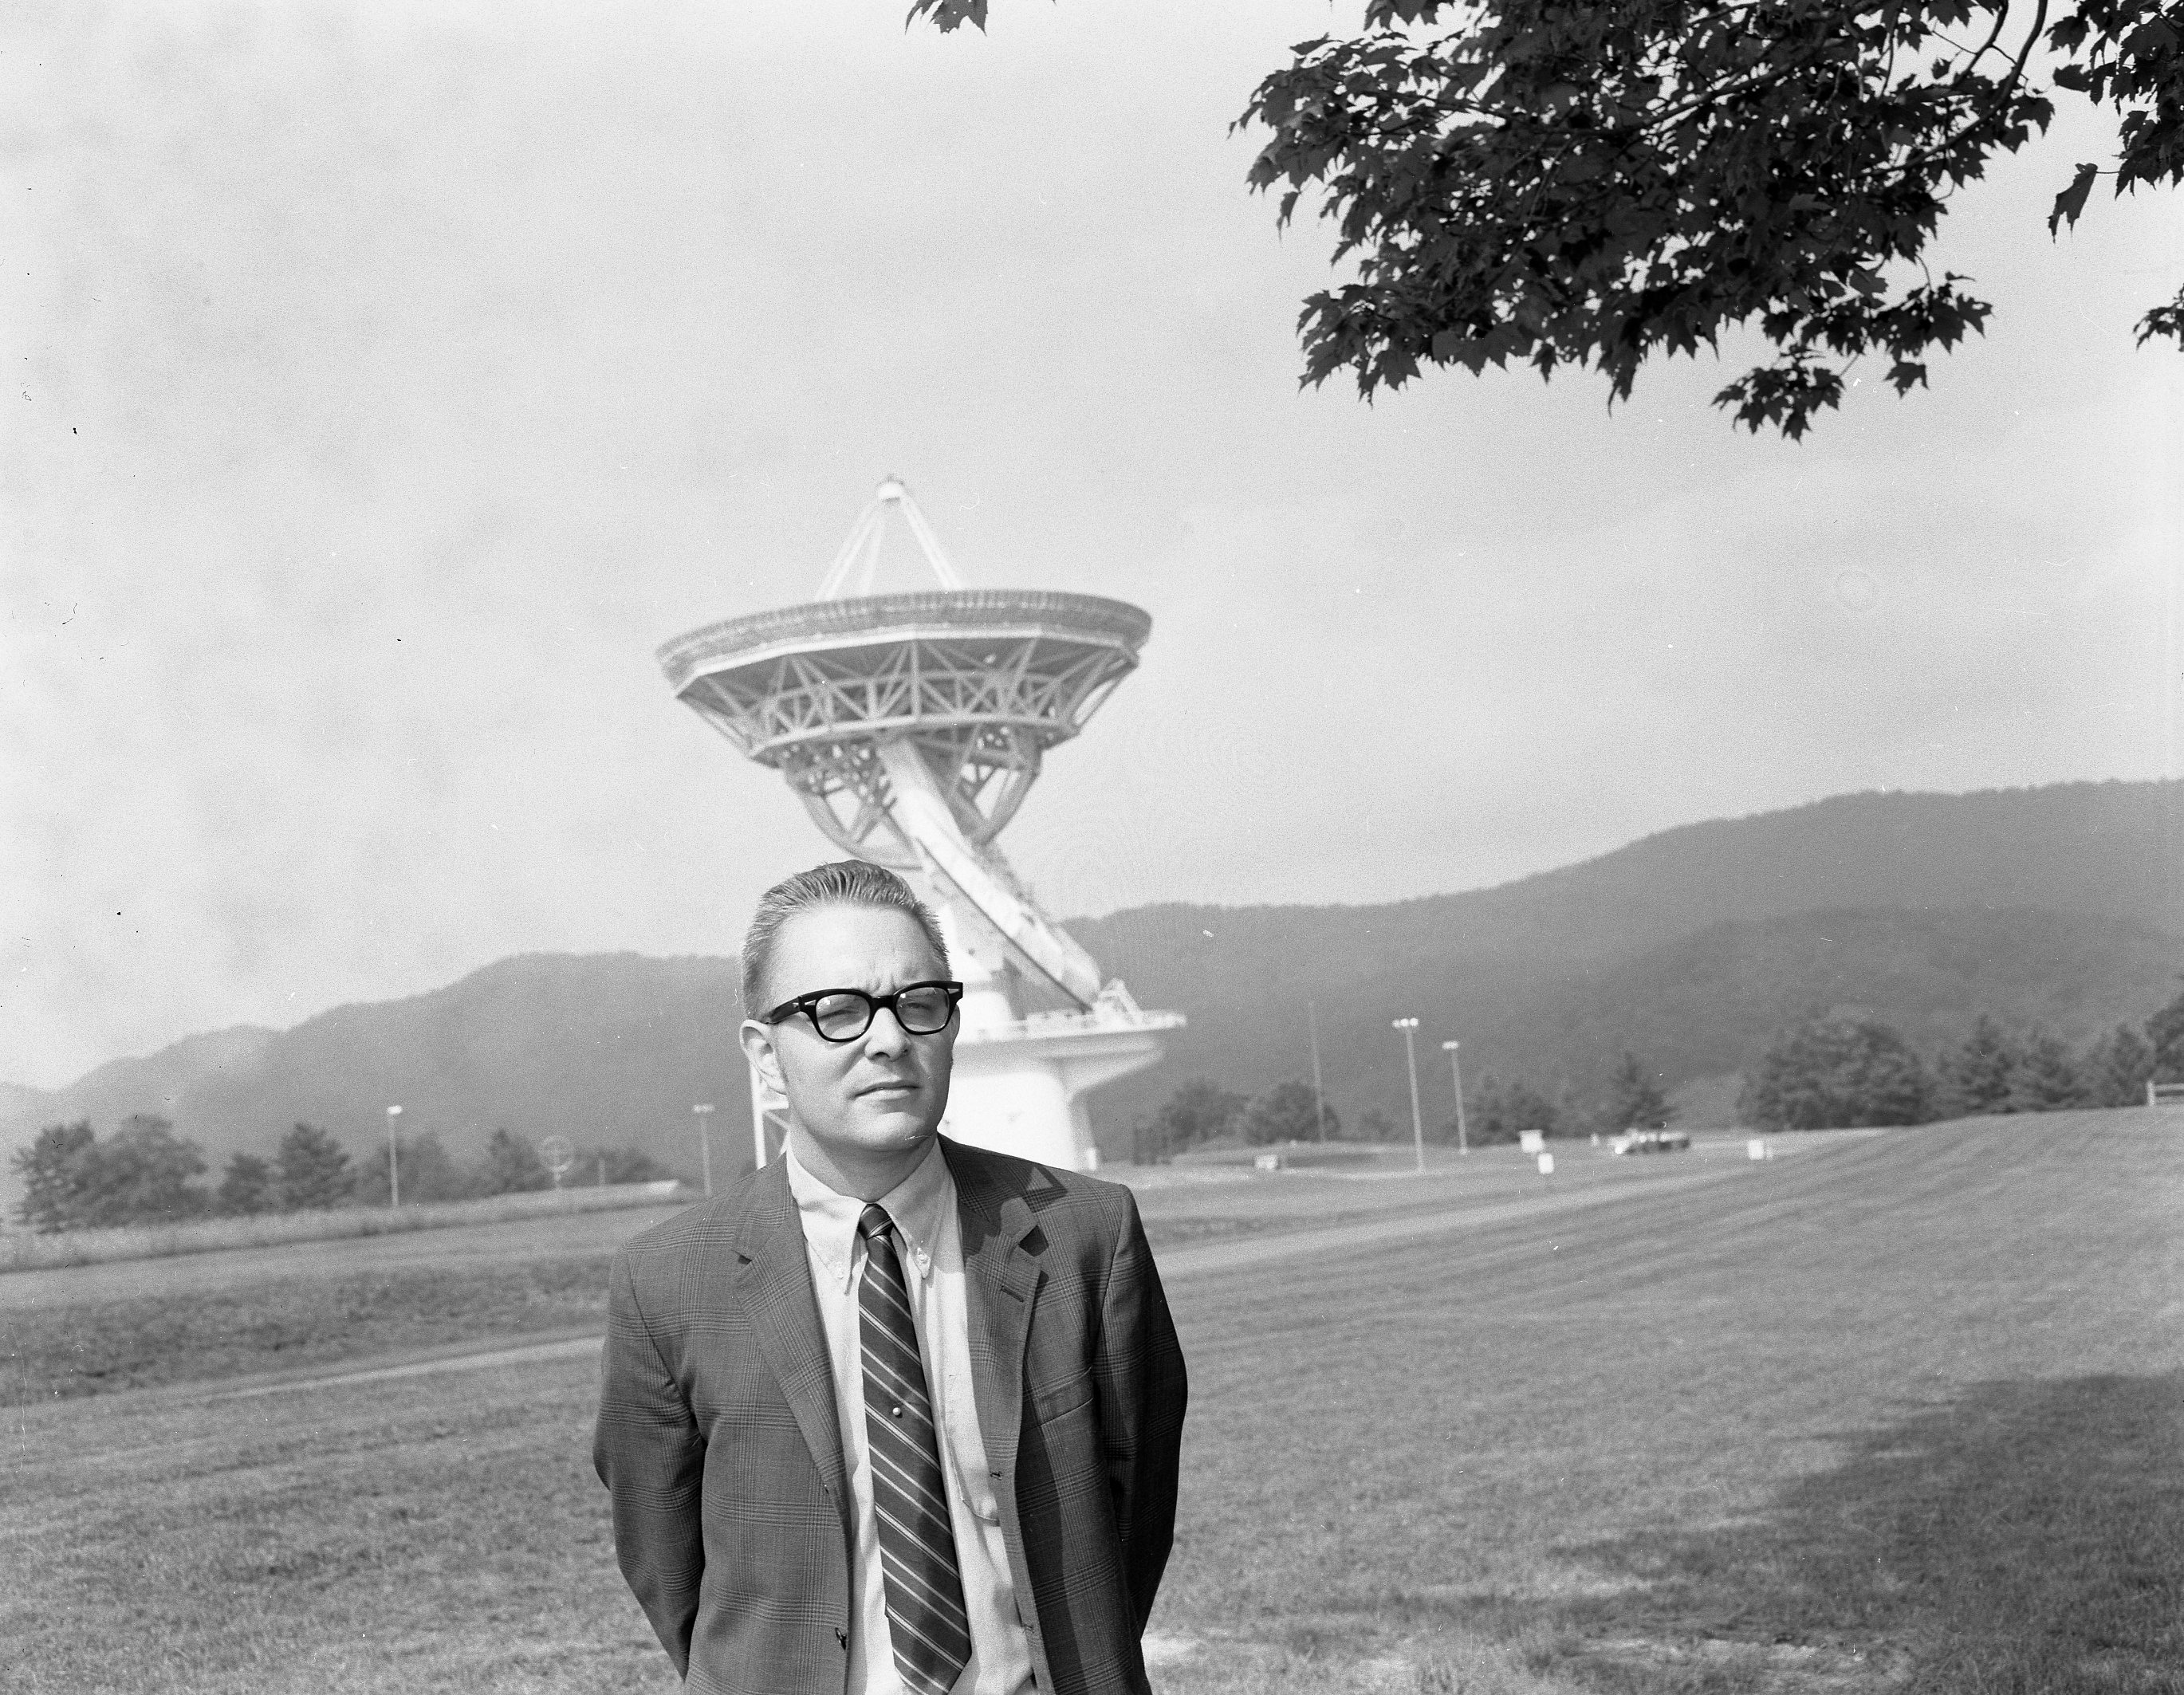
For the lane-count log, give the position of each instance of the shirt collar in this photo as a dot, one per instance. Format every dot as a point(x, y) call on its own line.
point(919, 1206)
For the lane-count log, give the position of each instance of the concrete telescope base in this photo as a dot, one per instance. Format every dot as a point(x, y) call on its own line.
point(1020, 1088)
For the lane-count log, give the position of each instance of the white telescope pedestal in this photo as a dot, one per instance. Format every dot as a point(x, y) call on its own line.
point(1020, 1081)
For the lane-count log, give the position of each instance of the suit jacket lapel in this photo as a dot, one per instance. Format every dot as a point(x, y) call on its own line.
point(1003, 1280)
point(784, 1316)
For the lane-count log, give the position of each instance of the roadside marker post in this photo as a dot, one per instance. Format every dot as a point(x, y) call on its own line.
point(558, 1155)
point(1756, 1148)
point(703, 1112)
point(394, 1163)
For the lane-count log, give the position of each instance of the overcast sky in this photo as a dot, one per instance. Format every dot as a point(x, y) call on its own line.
point(390, 382)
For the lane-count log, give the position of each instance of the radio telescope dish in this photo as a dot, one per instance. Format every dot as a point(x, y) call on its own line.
point(912, 725)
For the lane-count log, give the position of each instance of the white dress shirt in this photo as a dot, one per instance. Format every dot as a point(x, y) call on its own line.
point(928, 1234)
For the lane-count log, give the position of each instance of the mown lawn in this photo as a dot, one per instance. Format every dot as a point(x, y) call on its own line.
point(96, 1329)
point(1902, 1414)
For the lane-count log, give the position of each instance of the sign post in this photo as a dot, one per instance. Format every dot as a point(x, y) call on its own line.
point(393, 1162)
point(558, 1155)
point(704, 1112)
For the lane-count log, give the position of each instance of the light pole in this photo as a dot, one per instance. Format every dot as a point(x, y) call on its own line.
point(1318, 1095)
point(704, 1112)
point(393, 1162)
point(1456, 1070)
point(1409, 1026)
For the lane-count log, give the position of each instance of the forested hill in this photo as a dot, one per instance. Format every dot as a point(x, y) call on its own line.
point(2105, 850)
point(2062, 907)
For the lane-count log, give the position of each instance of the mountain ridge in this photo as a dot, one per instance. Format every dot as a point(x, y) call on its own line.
point(1684, 944)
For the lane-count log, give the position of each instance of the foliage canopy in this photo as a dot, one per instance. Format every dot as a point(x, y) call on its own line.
point(1833, 1071)
point(1594, 184)
point(1289, 1112)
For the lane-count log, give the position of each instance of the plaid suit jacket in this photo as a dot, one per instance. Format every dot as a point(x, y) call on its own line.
point(718, 1442)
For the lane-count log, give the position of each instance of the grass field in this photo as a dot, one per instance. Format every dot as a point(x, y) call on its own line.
point(1904, 1413)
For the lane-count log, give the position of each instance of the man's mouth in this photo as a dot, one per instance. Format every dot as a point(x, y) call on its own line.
point(891, 1086)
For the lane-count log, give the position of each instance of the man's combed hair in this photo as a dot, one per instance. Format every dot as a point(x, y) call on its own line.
point(845, 882)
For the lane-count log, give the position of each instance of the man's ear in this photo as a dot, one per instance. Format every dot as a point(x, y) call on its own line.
point(758, 1048)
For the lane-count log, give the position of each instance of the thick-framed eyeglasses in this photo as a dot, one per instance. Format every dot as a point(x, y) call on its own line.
point(842, 1015)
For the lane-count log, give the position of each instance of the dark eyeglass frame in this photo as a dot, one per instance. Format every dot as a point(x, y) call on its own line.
point(808, 1005)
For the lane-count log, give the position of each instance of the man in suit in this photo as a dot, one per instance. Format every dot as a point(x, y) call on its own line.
point(892, 1413)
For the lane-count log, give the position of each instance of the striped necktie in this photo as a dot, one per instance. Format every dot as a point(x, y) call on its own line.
point(918, 1546)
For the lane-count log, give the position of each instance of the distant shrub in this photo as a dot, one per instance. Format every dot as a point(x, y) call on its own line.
point(1837, 1073)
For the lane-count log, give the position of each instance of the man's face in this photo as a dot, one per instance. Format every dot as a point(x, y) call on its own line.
point(884, 1092)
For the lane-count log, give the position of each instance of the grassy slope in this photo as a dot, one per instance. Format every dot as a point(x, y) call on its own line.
point(1902, 1414)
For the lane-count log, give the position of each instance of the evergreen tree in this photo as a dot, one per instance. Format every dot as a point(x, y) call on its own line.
point(1635, 1100)
point(58, 1174)
point(2047, 1079)
point(1200, 1111)
point(1529, 1110)
point(1834, 1073)
point(1488, 1113)
point(2117, 1067)
point(1977, 1077)
point(2165, 1034)
point(247, 1186)
point(512, 1165)
point(313, 1170)
point(1286, 1113)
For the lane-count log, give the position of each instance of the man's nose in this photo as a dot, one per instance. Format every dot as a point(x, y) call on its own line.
point(886, 1034)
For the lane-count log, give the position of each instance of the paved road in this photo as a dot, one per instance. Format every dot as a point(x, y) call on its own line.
point(1177, 1265)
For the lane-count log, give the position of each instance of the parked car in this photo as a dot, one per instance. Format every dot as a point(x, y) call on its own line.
point(1635, 1141)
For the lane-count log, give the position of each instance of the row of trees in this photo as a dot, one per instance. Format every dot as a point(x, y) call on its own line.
point(1826, 1071)
point(1843, 1071)
point(1201, 1113)
point(144, 1173)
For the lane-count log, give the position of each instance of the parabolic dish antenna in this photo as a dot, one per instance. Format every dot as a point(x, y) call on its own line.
point(912, 725)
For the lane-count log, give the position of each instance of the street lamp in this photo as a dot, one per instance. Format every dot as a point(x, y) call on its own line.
point(704, 1113)
point(1456, 1070)
point(1318, 1095)
point(1409, 1028)
point(393, 1162)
